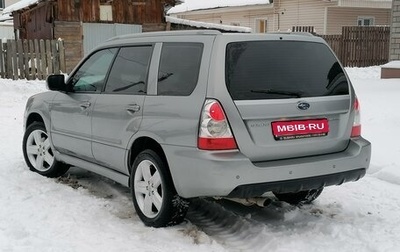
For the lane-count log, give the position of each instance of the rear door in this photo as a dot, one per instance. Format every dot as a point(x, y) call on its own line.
point(292, 99)
point(118, 111)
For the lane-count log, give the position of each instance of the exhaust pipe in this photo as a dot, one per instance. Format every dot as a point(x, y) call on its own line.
point(262, 202)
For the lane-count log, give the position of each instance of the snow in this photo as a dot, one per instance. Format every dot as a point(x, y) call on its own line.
point(198, 24)
point(189, 5)
point(84, 212)
point(392, 64)
point(19, 5)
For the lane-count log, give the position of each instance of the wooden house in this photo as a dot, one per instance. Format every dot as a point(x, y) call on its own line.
point(66, 19)
point(325, 16)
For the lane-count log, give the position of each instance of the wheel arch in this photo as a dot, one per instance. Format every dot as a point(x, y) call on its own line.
point(34, 117)
point(144, 143)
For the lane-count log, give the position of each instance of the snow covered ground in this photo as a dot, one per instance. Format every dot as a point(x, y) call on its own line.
point(84, 212)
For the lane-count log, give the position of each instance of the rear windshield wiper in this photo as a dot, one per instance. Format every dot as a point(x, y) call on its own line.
point(277, 92)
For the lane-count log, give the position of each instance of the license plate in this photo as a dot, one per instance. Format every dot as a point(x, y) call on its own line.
point(286, 130)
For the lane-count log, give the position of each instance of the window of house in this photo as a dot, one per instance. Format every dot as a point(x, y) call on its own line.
point(365, 21)
point(129, 72)
point(2, 4)
point(179, 68)
point(106, 13)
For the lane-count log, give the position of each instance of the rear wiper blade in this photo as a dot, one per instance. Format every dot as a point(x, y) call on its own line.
point(278, 92)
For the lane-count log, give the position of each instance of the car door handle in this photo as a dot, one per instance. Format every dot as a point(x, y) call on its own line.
point(85, 105)
point(133, 108)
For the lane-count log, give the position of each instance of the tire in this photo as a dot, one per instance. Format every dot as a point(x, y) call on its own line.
point(38, 154)
point(299, 198)
point(153, 193)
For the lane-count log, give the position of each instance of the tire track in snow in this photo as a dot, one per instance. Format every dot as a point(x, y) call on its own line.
point(233, 226)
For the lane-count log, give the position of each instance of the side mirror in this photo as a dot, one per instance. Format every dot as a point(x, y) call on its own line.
point(56, 82)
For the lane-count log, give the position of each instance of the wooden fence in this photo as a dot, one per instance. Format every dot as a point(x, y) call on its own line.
point(31, 59)
point(361, 46)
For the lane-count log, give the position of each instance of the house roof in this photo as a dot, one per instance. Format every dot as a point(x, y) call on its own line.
point(20, 5)
point(198, 24)
point(189, 5)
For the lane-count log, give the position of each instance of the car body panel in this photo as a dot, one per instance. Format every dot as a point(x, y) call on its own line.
point(71, 123)
point(100, 137)
point(115, 119)
point(204, 173)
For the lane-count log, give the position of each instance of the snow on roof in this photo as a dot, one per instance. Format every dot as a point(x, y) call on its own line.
point(175, 20)
point(189, 5)
point(5, 17)
point(19, 5)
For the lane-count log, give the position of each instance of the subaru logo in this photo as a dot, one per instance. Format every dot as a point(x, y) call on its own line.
point(303, 105)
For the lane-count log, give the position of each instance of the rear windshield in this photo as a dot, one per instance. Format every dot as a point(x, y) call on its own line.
point(282, 69)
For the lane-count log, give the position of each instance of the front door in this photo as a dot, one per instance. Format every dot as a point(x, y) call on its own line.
point(71, 112)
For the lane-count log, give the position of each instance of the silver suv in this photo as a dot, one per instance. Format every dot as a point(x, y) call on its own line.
point(178, 115)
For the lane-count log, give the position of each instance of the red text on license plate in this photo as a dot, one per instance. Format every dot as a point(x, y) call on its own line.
point(285, 130)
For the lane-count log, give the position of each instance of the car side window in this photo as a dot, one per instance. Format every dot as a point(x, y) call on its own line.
point(179, 68)
point(129, 72)
point(91, 75)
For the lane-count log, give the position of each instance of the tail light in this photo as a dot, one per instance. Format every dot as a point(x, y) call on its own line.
point(214, 131)
point(356, 129)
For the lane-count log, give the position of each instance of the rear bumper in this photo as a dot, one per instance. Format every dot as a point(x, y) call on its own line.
point(203, 173)
point(297, 185)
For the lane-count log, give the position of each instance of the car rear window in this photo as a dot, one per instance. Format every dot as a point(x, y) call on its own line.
point(282, 69)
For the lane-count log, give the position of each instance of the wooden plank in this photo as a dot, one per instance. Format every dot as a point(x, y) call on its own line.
point(49, 57)
point(39, 73)
point(2, 65)
point(56, 58)
point(9, 70)
point(14, 59)
point(32, 58)
point(20, 53)
point(61, 51)
point(43, 60)
point(26, 59)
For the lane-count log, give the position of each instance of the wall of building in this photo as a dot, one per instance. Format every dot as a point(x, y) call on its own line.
point(325, 16)
point(71, 33)
point(395, 32)
point(303, 13)
point(247, 16)
point(121, 11)
point(343, 16)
